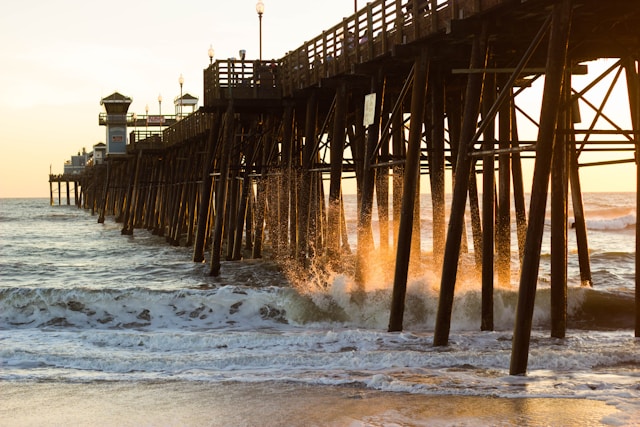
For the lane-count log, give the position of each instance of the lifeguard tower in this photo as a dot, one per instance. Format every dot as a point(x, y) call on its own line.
point(116, 106)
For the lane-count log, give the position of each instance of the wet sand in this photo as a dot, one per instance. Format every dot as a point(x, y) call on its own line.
point(269, 404)
point(275, 404)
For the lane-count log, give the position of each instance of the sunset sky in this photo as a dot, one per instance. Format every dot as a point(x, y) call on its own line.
point(59, 58)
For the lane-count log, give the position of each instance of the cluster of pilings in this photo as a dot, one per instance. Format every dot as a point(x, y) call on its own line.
point(391, 93)
point(67, 181)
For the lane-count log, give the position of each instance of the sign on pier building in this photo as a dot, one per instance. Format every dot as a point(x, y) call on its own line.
point(116, 106)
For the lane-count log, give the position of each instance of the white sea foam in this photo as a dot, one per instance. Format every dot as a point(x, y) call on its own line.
point(245, 307)
point(618, 223)
point(473, 363)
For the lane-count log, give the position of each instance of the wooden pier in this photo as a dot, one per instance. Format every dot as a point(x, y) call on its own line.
point(395, 91)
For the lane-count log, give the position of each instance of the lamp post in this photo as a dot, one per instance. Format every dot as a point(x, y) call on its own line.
point(135, 121)
point(146, 128)
point(160, 109)
point(181, 81)
point(260, 10)
point(243, 54)
point(210, 52)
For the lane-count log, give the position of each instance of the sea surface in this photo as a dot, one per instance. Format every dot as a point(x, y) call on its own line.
point(80, 303)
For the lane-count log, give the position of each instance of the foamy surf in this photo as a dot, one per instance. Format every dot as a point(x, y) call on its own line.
point(93, 307)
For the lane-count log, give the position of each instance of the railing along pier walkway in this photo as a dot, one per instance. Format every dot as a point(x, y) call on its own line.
point(392, 92)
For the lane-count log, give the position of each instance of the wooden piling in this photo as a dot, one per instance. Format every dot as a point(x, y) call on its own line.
point(364, 231)
point(221, 192)
point(233, 211)
point(633, 88)
point(455, 101)
point(474, 214)
point(379, 87)
point(398, 151)
point(518, 187)
point(127, 227)
point(207, 183)
point(579, 221)
point(459, 197)
point(285, 213)
point(161, 198)
point(437, 162)
point(261, 190)
point(245, 192)
point(411, 176)
point(556, 60)
point(337, 153)
point(140, 192)
point(488, 210)
point(503, 214)
point(304, 199)
point(559, 223)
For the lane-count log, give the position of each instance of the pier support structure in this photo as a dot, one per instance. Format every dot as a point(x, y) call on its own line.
point(267, 157)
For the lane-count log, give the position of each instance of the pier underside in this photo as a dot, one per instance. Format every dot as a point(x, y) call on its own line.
point(479, 97)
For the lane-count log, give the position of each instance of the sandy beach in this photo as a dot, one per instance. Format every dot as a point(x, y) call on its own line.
point(276, 404)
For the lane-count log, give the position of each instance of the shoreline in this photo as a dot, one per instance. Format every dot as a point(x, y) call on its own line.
point(185, 403)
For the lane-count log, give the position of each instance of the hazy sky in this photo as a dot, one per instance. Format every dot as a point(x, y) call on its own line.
point(59, 58)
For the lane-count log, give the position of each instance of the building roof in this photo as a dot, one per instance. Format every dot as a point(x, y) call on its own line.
point(187, 99)
point(115, 98)
point(116, 103)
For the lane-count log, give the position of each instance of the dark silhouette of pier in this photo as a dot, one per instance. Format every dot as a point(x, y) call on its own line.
point(392, 92)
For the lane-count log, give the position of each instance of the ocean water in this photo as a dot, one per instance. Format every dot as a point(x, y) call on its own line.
point(82, 304)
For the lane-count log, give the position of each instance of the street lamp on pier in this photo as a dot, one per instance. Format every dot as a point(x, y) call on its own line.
point(146, 128)
point(260, 10)
point(135, 121)
point(160, 109)
point(210, 52)
point(243, 54)
point(181, 81)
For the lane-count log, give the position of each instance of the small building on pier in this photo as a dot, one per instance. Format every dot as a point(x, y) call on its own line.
point(99, 153)
point(187, 100)
point(77, 163)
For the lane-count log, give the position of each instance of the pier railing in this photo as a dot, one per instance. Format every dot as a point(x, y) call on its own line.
point(240, 79)
point(137, 121)
point(148, 128)
point(371, 33)
point(192, 126)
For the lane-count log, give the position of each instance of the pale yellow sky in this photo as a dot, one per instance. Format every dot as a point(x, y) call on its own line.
point(59, 58)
